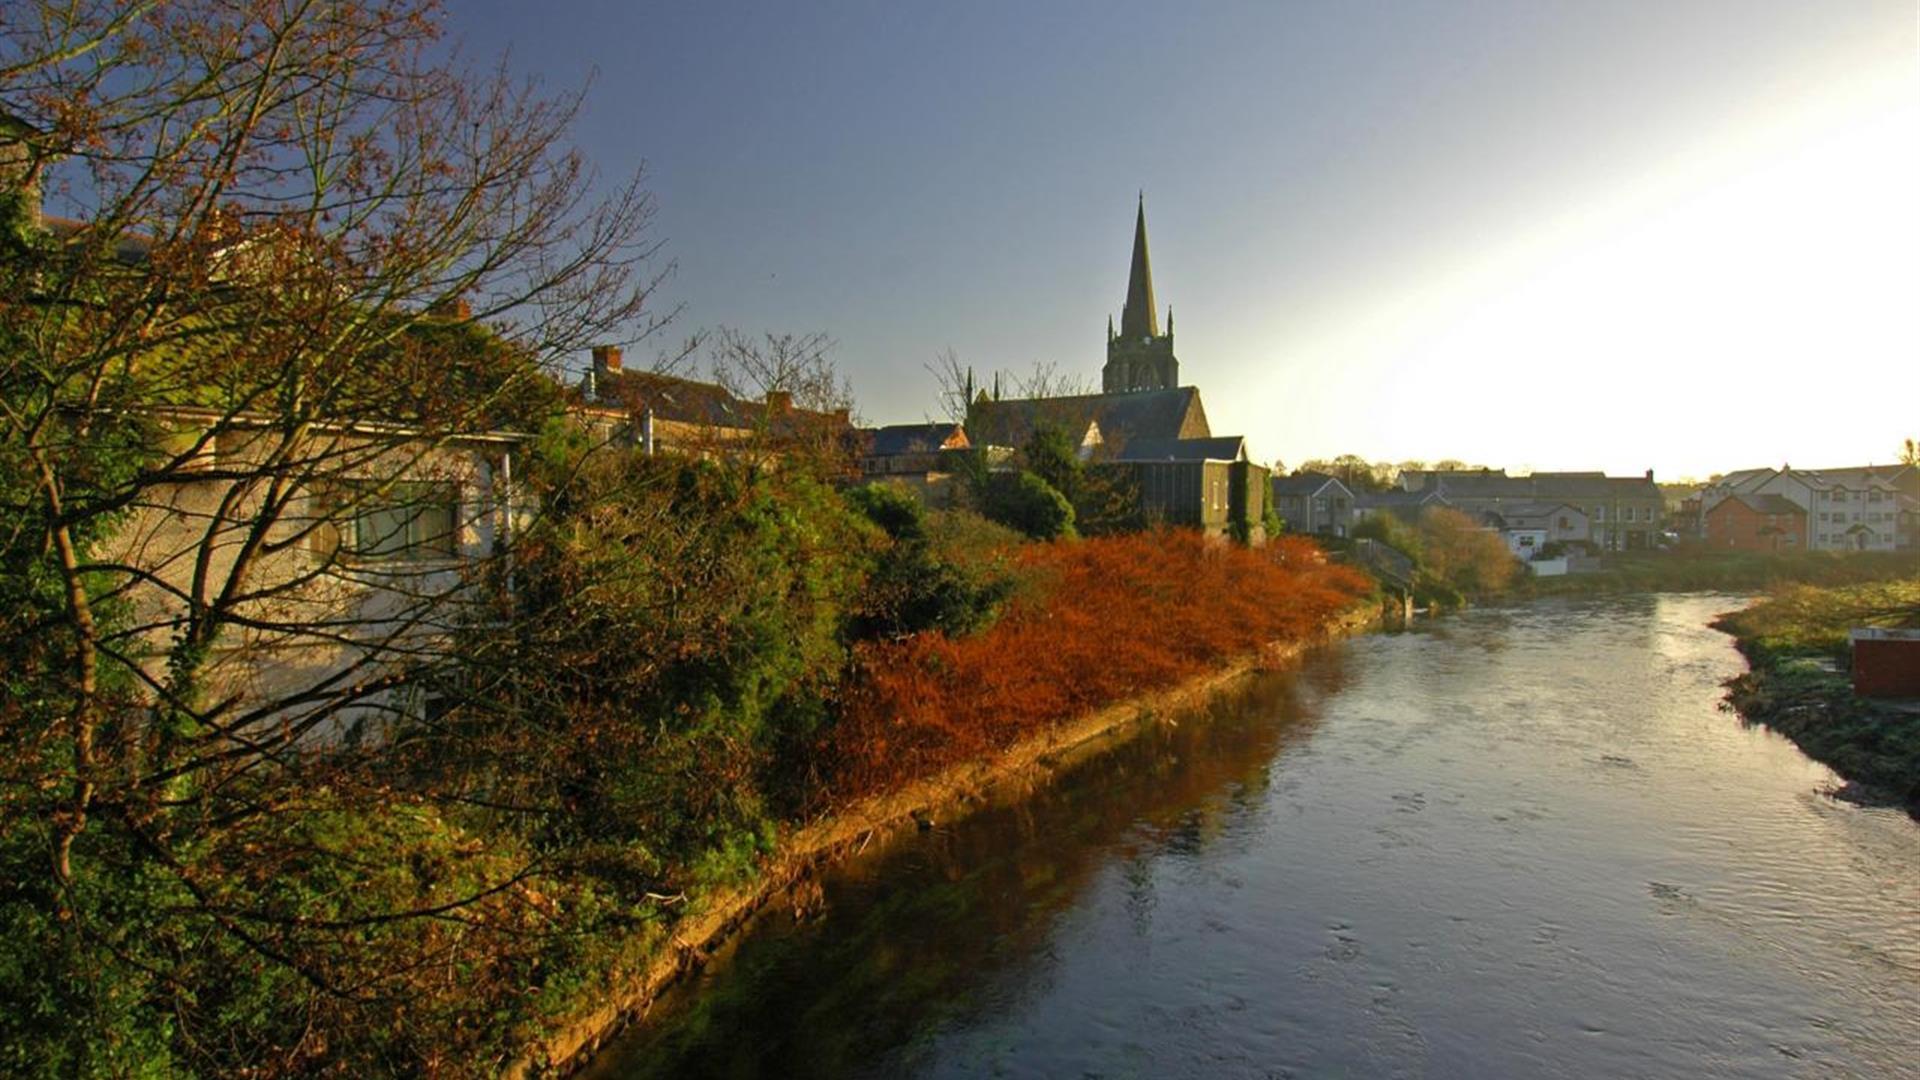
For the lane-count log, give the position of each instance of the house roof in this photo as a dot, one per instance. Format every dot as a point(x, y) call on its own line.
point(1762, 504)
point(1547, 486)
point(1121, 418)
point(1852, 477)
point(1388, 500)
point(1538, 509)
point(1305, 483)
point(689, 401)
point(915, 438)
point(1218, 448)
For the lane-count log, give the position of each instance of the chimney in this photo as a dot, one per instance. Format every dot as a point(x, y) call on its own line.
point(1649, 475)
point(606, 361)
point(455, 307)
point(843, 417)
point(779, 402)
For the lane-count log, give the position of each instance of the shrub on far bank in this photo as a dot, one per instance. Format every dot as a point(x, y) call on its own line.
point(1024, 501)
point(1454, 558)
point(1111, 618)
point(949, 570)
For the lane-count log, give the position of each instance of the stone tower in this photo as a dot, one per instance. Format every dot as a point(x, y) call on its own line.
point(1140, 357)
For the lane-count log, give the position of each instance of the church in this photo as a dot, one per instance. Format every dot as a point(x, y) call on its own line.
point(1141, 394)
point(1143, 427)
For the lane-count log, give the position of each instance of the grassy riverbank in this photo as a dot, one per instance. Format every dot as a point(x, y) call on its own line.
point(1680, 571)
point(1796, 642)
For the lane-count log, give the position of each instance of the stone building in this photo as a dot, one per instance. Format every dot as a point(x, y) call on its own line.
point(1139, 356)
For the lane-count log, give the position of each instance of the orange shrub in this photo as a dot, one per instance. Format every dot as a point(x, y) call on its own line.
point(1115, 617)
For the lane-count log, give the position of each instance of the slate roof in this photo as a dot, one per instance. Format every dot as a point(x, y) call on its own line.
point(1218, 448)
point(1539, 509)
point(1554, 486)
point(1306, 483)
point(1141, 414)
point(914, 438)
point(1764, 504)
point(1854, 478)
point(690, 401)
point(1389, 500)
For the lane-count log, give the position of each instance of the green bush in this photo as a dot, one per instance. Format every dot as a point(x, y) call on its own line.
point(1024, 502)
point(950, 579)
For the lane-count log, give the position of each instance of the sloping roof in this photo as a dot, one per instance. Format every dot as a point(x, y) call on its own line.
point(131, 248)
point(1549, 486)
point(690, 401)
point(1305, 483)
point(1741, 479)
point(915, 438)
point(1852, 477)
point(1389, 500)
point(1762, 504)
point(1141, 414)
point(1218, 448)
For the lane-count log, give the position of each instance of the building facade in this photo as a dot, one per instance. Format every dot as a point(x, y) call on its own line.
point(1763, 523)
point(1314, 503)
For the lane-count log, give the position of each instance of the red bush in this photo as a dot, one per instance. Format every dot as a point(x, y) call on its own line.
point(1116, 617)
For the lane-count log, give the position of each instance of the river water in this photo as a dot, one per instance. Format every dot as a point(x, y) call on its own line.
point(1522, 842)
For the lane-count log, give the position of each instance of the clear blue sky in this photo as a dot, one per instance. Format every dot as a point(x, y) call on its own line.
point(1613, 233)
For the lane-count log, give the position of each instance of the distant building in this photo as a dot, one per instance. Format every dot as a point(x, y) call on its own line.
point(1316, 503)
point(1860, 508)
point(1405, 505)
point(908, 448)
point(1624, 513)
point(1529, 527)
point(668, 414)
point(923, 458)
point(1207, 484)
point(1766, 523)
point(1093, 421)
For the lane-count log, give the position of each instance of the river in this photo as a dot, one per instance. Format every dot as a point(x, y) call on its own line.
point(1515, 842)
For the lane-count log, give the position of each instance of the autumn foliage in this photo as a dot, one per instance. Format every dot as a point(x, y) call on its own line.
point(1115, 617)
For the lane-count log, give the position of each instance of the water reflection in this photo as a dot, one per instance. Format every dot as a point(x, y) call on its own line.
point(1521, 842)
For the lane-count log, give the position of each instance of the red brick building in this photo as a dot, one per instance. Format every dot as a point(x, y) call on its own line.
point(1756, 523)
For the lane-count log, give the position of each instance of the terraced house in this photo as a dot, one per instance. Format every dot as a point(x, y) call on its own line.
point(1624, 513)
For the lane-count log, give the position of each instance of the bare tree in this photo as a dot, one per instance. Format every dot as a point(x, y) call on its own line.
point(1046, 380)
point(954, 390)
point(263, 393)
point(798, 365)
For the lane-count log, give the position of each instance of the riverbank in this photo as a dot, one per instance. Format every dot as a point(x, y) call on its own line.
point(1682, 571)
point(882, 817)
point(1798, 684)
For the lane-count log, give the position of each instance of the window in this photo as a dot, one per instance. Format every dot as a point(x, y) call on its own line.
point(412, 520)
point(1599, 513)
point(1564, 523)
point(1874, 495)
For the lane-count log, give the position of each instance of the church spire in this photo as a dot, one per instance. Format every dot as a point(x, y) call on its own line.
point(1138, 319)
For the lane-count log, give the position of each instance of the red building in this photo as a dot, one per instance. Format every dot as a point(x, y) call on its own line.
point(1756, 523)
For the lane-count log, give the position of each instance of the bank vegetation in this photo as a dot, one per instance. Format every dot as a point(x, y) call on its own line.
point(1796, 643)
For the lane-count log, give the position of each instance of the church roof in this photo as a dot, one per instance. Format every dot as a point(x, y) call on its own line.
point(1138, 319)
point(1140, 414)
point(1217, 448)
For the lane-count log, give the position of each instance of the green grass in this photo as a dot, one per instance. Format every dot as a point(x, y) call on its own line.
point(1674, 571)
point(1796, 642)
